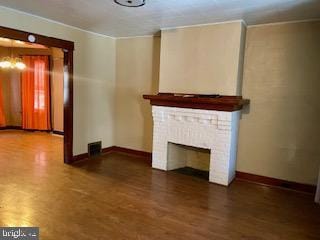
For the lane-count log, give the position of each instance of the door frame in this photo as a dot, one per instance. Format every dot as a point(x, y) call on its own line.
point(68, 48)
point(317, 198)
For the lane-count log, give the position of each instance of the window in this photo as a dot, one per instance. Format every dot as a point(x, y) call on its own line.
point(39, 85)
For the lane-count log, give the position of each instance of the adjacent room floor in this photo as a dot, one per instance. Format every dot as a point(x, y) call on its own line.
point(120, 197)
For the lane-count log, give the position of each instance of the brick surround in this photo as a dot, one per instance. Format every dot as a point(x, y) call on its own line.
point(208, 129)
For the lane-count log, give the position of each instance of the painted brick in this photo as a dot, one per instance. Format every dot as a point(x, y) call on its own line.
point(214, 130)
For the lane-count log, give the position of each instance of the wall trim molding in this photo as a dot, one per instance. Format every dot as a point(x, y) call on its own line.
point(275, 182)
point(80, 157)
point(138, 36)
point(204, 24)
point(23, 129)
point(147, 156)
point(31, 130)
point(11, 128)
point(58, 132)
point(249, 177)
point(284, 22)
point(107, 150)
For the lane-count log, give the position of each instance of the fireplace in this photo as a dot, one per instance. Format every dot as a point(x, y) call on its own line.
point(208, 122)
point(196, 160)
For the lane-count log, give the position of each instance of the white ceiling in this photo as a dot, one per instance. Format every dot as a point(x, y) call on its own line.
point(107, 18)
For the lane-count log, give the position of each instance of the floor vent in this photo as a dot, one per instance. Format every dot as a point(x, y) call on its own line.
point(94, 149)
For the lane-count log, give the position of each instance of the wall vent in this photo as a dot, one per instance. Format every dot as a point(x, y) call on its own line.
point(94, 148)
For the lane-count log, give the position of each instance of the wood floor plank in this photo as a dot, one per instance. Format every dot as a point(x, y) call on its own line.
point(119, 197)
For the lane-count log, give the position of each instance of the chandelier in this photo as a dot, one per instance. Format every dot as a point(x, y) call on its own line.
point(13, 63)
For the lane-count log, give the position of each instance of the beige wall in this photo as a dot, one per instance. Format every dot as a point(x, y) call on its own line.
point(279, 134)
point(57, 89)
point(279, 137)
point(94, 76)
point(202, 59)
point(137, 74)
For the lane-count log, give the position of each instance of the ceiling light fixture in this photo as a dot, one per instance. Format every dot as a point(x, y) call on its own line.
point(130, 3)
point(11, 62)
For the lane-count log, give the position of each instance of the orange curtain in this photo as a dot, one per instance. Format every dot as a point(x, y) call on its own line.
point(2, 116)
point(35, 93)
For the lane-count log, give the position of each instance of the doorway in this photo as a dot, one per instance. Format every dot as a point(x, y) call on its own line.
point(68, 48)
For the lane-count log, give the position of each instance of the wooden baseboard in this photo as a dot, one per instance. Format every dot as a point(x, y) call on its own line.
point(30, 130)
point(58, 132)
point(20, 128)
point(108, 149)
point(114, 149)
point(84, 156)
point(276, 182)
point(80, 157)
point(11, 128)
point(142, 154)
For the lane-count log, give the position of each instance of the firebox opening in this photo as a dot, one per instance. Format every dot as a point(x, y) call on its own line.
point(189, 160)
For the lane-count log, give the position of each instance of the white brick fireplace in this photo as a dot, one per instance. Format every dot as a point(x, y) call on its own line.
point(208, 129)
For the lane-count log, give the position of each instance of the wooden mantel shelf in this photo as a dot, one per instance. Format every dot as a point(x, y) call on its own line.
point(198, 101)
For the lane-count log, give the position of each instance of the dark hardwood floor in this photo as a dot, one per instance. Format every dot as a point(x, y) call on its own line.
point(120, 197)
